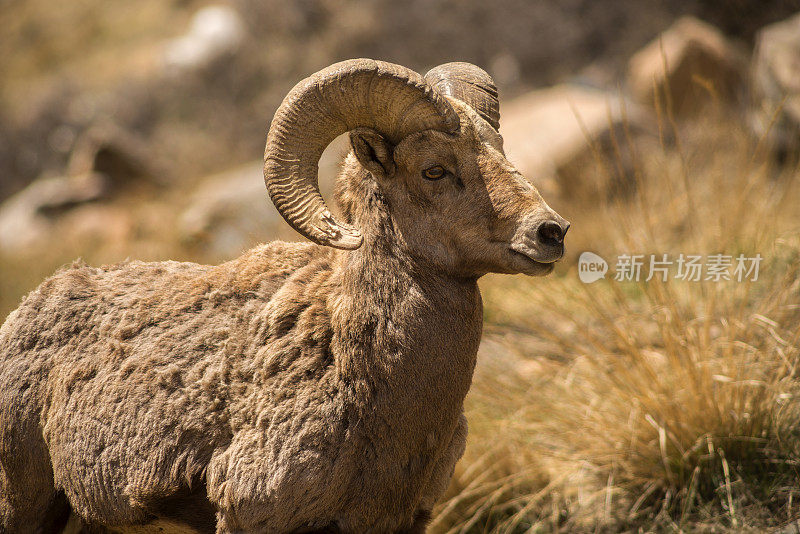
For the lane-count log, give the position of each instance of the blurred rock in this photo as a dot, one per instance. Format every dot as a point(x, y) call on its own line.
point(118, 155)
point(105, 163)
point(27, 217)
point(552, 134)
point(689, 65)
point(505, 69)
point(215, 31)
point(231, 211)
point(744, 18)
point(776, 84)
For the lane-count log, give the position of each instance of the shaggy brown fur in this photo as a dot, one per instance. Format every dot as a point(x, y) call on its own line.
point(293, 389)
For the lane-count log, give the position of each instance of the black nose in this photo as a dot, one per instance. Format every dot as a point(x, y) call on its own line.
point(552, 233)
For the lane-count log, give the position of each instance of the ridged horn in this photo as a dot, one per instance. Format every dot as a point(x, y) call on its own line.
point(470, 84)
point(388, 98)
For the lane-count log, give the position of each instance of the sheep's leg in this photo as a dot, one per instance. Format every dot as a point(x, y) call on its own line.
point(445, 465)
point(29, 506)
point(28, 499)
point(233, 477)
point(440, 477)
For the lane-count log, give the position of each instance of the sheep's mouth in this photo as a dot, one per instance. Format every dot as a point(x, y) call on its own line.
point(539, 254)
point(526, 265)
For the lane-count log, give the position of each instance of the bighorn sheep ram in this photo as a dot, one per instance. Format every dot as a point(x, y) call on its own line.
point(303, 387)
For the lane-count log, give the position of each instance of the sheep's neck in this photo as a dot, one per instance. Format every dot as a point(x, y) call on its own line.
point(403, 336)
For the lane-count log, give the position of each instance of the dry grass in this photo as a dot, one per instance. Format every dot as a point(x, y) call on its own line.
point(649, 406)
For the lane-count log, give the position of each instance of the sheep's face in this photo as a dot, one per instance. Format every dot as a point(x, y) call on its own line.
point(458, 203)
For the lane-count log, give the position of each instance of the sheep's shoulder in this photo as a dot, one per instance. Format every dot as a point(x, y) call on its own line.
point(264, 269)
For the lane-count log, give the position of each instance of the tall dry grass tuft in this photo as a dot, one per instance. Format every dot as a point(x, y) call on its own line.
point(652, 405)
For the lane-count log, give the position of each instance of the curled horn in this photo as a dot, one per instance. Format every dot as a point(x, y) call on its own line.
point(470, 84)
point(388, 98)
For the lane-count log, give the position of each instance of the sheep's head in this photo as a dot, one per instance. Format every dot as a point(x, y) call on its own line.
point(432, 147)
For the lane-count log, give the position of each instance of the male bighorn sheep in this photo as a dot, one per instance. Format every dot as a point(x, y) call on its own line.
point(301, 387)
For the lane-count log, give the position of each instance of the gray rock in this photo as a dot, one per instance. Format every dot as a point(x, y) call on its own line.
point(105, 163)
point(231, 211)
point(551, 134)
point(776, 84)
point(215, 32)
point(688, 65)
point(27, 218)
point(119, 155)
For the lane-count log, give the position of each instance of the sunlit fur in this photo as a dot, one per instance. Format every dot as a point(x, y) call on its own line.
point(296, 388)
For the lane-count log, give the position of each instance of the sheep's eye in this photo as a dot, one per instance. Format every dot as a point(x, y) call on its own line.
point(434, 173)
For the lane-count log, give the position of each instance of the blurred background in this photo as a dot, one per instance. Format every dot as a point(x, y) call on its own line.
point(136, 129)
point(116, 114)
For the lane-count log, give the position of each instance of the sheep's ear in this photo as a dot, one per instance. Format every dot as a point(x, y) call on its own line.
point(373, 151)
